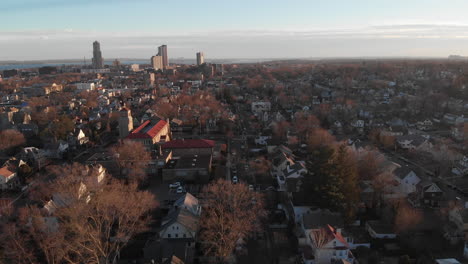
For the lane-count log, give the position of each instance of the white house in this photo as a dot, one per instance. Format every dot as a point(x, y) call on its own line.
point(328, 244)
point(412, 142)
point(8, 179)
point(407, 179)
point(86, 86)
point(289, 179)
point(182, 221)
point(258, 108)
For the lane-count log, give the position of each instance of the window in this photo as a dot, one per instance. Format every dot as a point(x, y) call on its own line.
point(172, 227)
point(185, 235)
point(334, 253)
point(334, 243)
point(168, 235)
point(177, 228)
point(176, 235)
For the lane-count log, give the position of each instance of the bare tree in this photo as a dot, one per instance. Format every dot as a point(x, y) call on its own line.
point(11, 138)
point(134, 158)
point(232, 213)
point(406, 217)
point(88, 221)
point(320, 137)
point(16, 247)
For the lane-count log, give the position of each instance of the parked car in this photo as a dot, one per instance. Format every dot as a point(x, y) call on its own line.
point(175, 185)
point(235, 179)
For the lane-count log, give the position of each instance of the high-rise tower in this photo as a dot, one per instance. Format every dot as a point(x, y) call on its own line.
point(162, 51)
point(98, 61)
point(200, 58)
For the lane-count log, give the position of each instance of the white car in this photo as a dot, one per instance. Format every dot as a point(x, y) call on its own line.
point(174, 185)
point(235, 180)
point(180, 189)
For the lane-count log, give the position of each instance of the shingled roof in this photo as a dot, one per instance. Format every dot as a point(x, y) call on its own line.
point(149, 129)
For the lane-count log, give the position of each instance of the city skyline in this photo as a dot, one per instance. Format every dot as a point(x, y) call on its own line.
point(265, 30)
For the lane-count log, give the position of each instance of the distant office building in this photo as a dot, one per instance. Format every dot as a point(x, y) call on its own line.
point(162, 51)
point(10, 73)
point(98, 61)
point(157, 62)
point(116, 63)
point(135, 67)
point(47, 70)
point(200, 58)
point(217, 69)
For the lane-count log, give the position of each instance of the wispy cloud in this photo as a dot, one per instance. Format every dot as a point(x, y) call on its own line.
point(372, 40)
point(18, 6)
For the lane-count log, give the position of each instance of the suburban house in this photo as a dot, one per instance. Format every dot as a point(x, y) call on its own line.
point(461, 167)
point(407, 179)
point(178, 231)
point(8, 179)
point(329, 245)
point(189, 147)
point(77, 138)
point(458, 132)
point(281, 157)
point(151, 132)
point(289, 179)
point(182, 220)
point(321, 239)
point(424, 125)
point(413, 142)
point(259, 108)
point(428, 194)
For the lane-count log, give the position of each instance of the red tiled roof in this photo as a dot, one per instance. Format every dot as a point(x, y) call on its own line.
point(147, 130)
point(5, 172)
point(189, 143)
point(338, 236)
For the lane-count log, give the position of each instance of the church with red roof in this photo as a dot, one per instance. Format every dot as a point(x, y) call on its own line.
point(151, 132)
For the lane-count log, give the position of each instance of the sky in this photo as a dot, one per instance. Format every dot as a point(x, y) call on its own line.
point(247, 29)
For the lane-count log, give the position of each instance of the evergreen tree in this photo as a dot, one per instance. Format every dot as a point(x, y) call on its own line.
point(347, 173)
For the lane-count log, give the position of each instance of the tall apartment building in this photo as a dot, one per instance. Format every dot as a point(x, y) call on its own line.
point(98, 61)
point(162, 51)
point(157, 62)
point(200, 58)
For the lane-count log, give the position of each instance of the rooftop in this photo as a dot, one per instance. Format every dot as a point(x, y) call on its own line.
point(5, 172)
point(189, 161)
point(149, 129)
point(189, 143)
